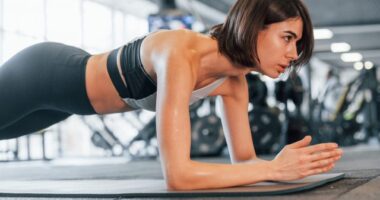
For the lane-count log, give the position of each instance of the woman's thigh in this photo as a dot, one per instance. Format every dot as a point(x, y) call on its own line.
point(32, 122)
point(44, 76)
point(22, 88)
point(42, 85)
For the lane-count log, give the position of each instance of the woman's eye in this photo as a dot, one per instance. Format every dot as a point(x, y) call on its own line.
point(288, 38)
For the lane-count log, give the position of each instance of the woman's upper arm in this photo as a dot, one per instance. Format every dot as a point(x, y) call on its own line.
point(237, 132)
point(174, 86)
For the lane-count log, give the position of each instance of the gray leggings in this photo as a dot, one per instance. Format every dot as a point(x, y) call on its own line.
point(40, 86)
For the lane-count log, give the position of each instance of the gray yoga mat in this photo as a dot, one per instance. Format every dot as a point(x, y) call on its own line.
point(151, 188)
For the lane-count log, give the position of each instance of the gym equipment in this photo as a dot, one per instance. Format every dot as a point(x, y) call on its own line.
point(296, 126)
point(207, 136)
point(266, 129)
point(337, 126)
point(353, 118)
point(291, 89)
point(11, 152)
point(297, 90)
point(152, 188)
point(266, 126)
point(258, 91)
point(104, 138)
point(146, 136)
point(8, 151)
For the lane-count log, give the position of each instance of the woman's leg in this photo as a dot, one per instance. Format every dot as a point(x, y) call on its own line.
point(21, 87)
point(41, 85)
point(33, 122)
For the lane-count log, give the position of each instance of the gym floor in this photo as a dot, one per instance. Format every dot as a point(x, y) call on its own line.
point(361, 164)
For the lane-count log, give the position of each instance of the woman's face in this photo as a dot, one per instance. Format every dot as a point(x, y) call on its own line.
point(277, 46)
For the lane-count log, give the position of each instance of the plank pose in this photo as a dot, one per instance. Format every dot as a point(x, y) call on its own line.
point(166, 71)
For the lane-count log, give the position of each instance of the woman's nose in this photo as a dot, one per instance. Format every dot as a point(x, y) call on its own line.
point(293, 53)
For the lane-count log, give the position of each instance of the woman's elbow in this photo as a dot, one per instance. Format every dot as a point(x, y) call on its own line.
point(179, 180)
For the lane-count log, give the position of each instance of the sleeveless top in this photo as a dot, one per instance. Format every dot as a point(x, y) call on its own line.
point(140, 90)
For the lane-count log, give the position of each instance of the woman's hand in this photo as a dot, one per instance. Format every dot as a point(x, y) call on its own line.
point(299, 160)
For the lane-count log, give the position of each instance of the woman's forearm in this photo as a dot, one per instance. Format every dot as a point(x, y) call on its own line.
point(199, 175)
point(294, 161)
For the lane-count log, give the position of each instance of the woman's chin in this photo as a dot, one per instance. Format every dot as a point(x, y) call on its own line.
point(273, 75)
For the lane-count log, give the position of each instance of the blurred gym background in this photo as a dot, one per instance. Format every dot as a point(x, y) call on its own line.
point(334, 98)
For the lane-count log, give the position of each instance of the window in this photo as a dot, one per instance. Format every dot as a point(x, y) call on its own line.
point(63, 21)
point(1, 33)
point(14, 43)
point(118, 29)
point(25, 17)
point(83, 23)
point(97, 27)
point(1, 15)
point(23, 25)
point(135, 27)
point(1, 48)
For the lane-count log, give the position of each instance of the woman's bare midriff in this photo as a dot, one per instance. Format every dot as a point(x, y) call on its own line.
point(103, 96)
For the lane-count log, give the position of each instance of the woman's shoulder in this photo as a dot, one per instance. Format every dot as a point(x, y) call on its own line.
point(175, 39)
point(173, 34)
point(174, 45)
point(170, 50)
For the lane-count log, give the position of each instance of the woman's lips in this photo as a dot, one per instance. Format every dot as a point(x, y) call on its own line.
point(282, 68)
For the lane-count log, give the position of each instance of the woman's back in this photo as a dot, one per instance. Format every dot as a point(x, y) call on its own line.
point(156, 49)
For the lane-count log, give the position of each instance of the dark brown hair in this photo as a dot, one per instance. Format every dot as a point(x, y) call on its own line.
point(237, 36)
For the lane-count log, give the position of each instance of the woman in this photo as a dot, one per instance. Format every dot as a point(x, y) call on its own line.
point(166, 71)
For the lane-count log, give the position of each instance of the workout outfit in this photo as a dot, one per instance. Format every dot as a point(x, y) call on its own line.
point(45, 83)
point(140, 90)
point(40, 86)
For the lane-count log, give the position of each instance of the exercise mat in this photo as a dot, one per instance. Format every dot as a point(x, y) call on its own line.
point(151, 188)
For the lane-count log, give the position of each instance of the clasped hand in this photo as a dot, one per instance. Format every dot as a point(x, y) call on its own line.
point(300, 159)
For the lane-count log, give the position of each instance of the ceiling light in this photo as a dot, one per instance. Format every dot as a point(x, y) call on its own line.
point(368, 65)
point(358, 66)
point(340, 47)
point(351, 57)
point(321, 34)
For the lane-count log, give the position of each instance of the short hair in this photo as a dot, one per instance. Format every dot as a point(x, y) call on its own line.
point(237, 36)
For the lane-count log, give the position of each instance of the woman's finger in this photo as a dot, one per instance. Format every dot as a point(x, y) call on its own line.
point(325, 154)
point(319, 170)
point(301, 143)
point(320, 163)
point(320, 147)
